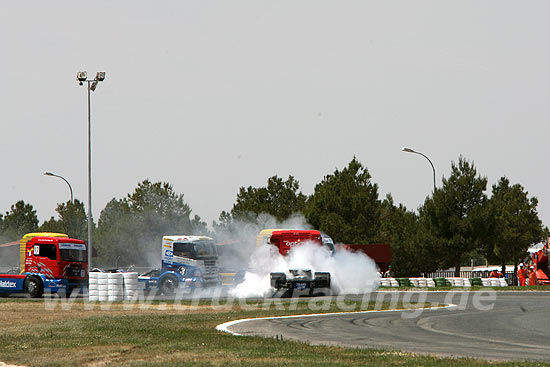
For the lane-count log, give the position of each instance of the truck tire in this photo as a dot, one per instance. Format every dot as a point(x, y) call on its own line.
point(34, 287)
point(168, 285)
point(322, 284)
point(277, 279)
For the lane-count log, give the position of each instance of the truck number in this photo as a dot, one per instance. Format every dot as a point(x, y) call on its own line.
point(36, 250)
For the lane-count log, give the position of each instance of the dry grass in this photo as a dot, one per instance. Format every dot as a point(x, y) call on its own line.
point(169, 335)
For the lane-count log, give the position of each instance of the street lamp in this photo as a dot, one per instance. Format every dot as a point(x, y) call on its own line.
point(82, 77)
point(46, 173)
point(409, 150)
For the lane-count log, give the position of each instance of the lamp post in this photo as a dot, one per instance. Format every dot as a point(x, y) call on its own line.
point(409, 150)
point(46, 173)
point(82, 77)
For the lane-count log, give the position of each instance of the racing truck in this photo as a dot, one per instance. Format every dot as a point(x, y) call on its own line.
point(50, 262)
point(187, 263)
point(297, 281)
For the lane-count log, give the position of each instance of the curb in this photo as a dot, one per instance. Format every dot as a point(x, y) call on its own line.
point(225, 326)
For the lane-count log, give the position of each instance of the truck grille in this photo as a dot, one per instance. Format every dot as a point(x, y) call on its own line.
point(74, 271)
point(210, 271)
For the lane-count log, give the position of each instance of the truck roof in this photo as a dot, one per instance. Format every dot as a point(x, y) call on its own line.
point(184, 237)
point(296, 231)
point(55, 239)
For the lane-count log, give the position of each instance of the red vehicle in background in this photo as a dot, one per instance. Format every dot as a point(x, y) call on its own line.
point(379, 252)
point(50, 264)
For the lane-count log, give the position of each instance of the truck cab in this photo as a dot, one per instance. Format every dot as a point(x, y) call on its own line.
point(187, 262)
point(50, 264)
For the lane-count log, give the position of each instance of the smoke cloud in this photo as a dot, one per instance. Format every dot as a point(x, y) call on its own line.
point(351, 272)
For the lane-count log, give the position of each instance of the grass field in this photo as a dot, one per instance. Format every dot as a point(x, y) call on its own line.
point(179, 334)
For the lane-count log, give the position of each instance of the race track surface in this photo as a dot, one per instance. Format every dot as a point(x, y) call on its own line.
point(497, 325)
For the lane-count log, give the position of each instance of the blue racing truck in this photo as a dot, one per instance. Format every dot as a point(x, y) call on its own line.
point(187, 263)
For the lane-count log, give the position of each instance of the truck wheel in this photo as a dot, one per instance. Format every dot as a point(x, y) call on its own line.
point(34, 287)
point(322, 284)
point(168, 285)
point(277, 280)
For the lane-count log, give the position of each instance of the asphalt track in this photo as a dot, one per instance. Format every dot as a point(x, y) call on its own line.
point(498, 325)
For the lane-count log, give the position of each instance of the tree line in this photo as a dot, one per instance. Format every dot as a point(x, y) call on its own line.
point(458, 222)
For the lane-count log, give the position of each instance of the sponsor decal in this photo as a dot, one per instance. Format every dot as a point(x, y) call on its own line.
point(292, 244)
point(168, 253)
point(72, 246)
point(184, 261)
point(7, 284)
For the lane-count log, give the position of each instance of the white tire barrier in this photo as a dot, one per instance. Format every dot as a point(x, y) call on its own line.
point(430, 282)
point(113, 287)
point(131, 286)
point(93, 287)
point(116, 287)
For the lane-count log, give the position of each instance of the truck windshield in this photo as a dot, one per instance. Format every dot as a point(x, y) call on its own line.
point(72, 255)
point(193, 250)
point(205, 248)
point(72, 252)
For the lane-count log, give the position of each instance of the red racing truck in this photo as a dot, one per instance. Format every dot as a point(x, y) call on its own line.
point(49, 264)
point(300, 281)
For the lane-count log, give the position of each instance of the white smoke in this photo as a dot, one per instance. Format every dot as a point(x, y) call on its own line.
point(351, 272)
point(244, 233)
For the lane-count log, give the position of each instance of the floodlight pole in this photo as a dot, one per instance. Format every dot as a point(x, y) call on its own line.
point(92, 85)
point(409, 150)
point(89, 179)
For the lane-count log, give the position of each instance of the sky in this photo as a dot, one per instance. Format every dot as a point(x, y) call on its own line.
point(214, 95)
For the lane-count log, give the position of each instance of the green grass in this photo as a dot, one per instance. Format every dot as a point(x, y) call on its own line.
point(180, 338)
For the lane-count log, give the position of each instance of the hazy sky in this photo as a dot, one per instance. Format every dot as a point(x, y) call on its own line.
point(214, 95)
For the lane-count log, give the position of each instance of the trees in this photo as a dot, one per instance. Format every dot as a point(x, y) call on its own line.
point(455, 214)
point(130, 229)
point(517, 225)
point(345, 205)
point(72, 220)
point(19, 220)
point(412, 247)
point(260, 207)
point(279, 198)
